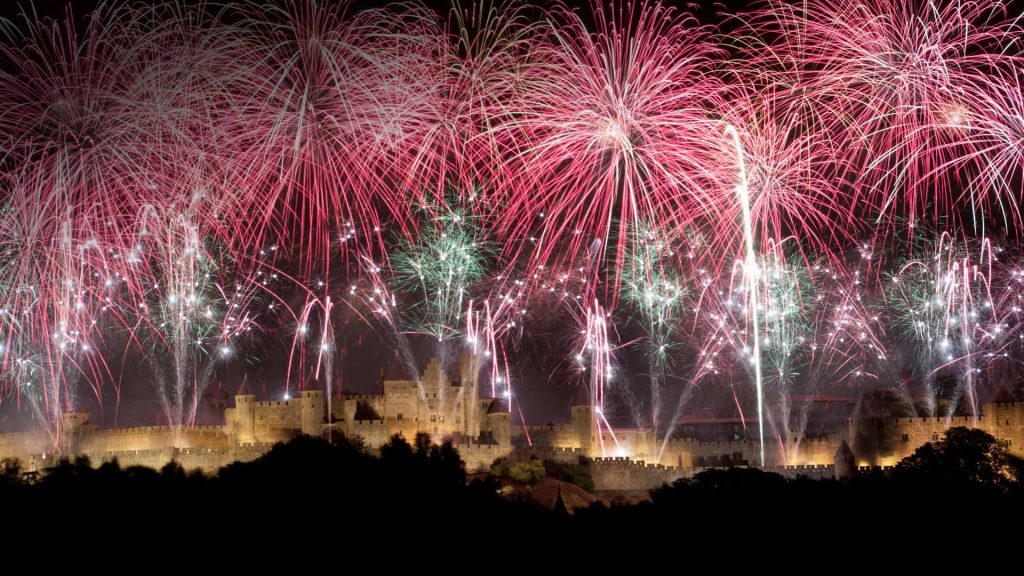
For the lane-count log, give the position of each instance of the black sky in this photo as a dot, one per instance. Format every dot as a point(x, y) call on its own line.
point(705, 10)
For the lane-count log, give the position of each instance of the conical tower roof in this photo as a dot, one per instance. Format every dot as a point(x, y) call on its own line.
point(844, 450)
point(245, 389)
point(497, 407)
point(397, 368)
point(312, 384)
point(581, 397)
point(560, 508)
point(1004, 396)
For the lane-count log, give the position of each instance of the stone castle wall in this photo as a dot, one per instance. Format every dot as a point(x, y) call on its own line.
point(480, 457)
point(21, 445)
point(277, 421)
point(620, 474)
point(632, 459)
point(557, 435)
point(626, 475)
point(209, 460)
point(444, 408)
point(151, 438)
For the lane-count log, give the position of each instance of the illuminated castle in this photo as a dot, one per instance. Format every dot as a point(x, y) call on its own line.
point(633, 459)
point(448, 409)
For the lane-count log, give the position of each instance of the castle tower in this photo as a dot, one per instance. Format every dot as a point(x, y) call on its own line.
point(245, 414)
point(434, 410)
point(311, 409)
point(71, 424)
point(845, 461)
point(499, 422)
point(581, 418)
point(469, 373)
point(1003, 418)
point(434, 379)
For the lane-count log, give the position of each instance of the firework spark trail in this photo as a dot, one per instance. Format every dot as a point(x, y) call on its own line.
point(486, 332)
point(594, 357)
point(994, 140)
point(942, 299)
point(851, 336)
point(654, 287)
point(385, 305)
point(308, 155)
point(751, 274)
point(197, 309)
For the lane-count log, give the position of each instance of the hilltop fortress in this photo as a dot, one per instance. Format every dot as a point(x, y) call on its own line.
point(633, 459)
point(435, 403)
point(450, 408)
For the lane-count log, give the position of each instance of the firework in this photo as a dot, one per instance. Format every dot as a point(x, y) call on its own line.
point(812, 195)
point(441, 266)
point(898, 84)
point(942, 301)
point(609, 130)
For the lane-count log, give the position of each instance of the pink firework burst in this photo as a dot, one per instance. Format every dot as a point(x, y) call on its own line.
point(791, 177)
point(311, 164)
point(610, 130)
point(898, 83)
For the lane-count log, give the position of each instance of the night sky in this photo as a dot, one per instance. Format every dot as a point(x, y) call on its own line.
point(542, 365)
point(544, 393)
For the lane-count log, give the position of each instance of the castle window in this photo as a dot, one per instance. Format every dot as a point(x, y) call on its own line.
point(399, 415)
point(906, 437)
point(433, 418)
point(935, 437)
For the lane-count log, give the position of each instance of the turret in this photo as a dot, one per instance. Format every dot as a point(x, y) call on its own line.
point(71, 426)
point(1003, 417)
point(581, 418)
point(434, 380)
point(499, 422)
point(845, 461)
point(469, 373)
point(245, 414)
point(312, 408)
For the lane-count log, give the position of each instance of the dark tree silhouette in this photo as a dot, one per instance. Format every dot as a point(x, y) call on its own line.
point(963, 457)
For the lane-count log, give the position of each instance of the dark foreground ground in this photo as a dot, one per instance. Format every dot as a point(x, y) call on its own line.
point(958, 500)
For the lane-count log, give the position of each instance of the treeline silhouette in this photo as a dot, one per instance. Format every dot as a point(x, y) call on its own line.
point(341, 492)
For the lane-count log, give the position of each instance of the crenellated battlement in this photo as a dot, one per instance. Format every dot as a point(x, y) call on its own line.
point(484, 433)
point(709, 444)
point(800, 467)
point(621, 474)
point(362, 397)
point(274, 404)
point(1003, 405)
point(447, 409)
point(938, 420)
point(145, 430)
point(816, 441)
